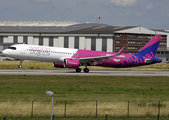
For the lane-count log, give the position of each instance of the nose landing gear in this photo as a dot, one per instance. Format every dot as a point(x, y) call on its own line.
point(20, 65)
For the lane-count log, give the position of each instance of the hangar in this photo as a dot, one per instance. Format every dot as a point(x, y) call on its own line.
point(90, 36)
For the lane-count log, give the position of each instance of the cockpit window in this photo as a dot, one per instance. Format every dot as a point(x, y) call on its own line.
point(13, 48)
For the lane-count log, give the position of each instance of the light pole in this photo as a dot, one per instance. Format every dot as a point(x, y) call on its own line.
point(51, 94)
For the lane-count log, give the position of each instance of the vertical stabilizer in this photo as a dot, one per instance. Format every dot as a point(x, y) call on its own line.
point(151, 47)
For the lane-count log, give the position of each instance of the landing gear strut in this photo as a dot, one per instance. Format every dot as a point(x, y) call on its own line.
point(20, 65)
point(78, 70)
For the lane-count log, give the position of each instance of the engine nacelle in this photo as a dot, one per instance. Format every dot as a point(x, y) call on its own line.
point(71, 63)
point(58, 65)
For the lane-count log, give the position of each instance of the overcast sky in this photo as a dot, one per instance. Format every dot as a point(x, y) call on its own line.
point(153, 14)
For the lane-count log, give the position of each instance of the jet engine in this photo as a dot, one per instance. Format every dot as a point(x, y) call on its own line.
point(71, 63)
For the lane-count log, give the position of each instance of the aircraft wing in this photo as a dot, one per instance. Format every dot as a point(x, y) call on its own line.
point(91, 60)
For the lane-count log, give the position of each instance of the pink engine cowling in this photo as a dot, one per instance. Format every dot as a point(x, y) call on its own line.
point(58, 65)
point(71, 63)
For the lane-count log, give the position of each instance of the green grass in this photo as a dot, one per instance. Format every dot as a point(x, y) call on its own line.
point(83, 88)
point(48, 118)
point(81, 94)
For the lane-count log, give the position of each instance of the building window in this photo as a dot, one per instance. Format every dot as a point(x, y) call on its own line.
point(158, 52)
point(164, 37)
point(118, 36)
point(40, 40)
point(1, 39)
point(15, 39)
point(162, 52)
point(128, 41)
point(131, 36)
point(25, 39)
point(104, 44)
point(76, 43)
point(93, 43)
point(130, 47)
point(66, 42)
point(162, 43)
point(117, 47)
point(117, 41)
point(50, 41)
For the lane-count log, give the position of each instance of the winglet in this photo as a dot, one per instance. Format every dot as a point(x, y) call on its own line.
point(121, 50)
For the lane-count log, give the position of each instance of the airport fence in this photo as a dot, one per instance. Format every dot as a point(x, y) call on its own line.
point(85, 109)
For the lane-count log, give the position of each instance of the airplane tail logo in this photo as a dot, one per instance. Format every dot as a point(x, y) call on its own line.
point(150, 49)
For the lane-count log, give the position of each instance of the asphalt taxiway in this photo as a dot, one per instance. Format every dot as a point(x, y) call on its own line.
point(91, 73)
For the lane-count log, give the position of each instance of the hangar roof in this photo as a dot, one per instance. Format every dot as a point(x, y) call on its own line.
point(160, 30)
point(87, 28)
point(37, 23)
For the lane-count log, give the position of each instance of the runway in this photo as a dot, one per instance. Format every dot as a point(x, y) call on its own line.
point(91, 73)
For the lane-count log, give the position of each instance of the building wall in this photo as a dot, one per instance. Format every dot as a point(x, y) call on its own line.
point(168, 41)
point(1, 47)
point(110, 44)
point(55, 42)
point(79, 42)
point(82, 42)
point(134, 42)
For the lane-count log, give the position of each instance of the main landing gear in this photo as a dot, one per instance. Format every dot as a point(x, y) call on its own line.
point(20, 65)
point(86, 70)
point(78, 70)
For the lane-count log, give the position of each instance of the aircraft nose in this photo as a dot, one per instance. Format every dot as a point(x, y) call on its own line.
point(4, 52)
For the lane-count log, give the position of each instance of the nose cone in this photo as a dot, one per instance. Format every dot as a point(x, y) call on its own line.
point(4, 52)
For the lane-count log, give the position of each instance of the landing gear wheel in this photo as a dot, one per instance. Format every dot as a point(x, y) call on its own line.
point(19, 66)
point(86, 70)
point(78, 70)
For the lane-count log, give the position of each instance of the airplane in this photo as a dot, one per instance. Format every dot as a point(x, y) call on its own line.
point(73, 58)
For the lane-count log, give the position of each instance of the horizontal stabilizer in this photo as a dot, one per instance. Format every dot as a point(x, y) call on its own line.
point(152, 60)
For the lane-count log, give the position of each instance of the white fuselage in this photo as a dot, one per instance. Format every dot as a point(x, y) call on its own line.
point(39, 53)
